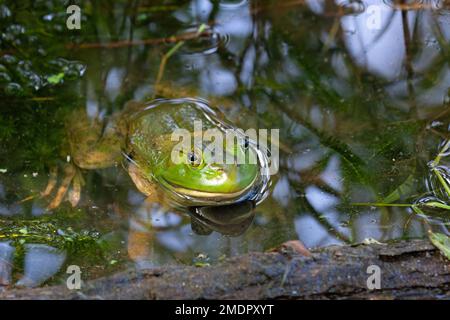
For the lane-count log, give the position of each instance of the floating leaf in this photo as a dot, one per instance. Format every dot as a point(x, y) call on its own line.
point(404, 189)
point(417, 210)
point(202, 264)
point(442, 181)
point(56, 78)
point(442, 242)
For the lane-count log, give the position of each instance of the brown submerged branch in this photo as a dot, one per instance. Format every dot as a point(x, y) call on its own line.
point(127, 43)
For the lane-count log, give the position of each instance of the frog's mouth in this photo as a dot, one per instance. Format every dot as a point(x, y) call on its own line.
point(198, 197)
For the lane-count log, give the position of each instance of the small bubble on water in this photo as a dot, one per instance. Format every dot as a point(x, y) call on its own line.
point(48, 17)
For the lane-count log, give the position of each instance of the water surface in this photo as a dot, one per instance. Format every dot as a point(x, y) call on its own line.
point(360, 91)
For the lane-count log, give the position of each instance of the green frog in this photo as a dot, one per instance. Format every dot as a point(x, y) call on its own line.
point(141, 137)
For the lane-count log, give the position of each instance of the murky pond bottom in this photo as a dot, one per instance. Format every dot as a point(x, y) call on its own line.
point(360, 95)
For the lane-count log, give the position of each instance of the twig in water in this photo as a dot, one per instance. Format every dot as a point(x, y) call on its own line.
point(169, 53)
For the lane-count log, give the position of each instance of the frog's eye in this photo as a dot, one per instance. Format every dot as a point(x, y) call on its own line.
point(246, 143)
point(194, 158)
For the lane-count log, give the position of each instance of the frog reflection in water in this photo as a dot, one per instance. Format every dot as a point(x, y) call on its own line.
point(140, 137)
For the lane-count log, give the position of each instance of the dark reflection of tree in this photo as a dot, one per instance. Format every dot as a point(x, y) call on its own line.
point(372, 129)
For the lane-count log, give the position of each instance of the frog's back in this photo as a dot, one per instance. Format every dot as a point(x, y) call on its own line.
point(150, 128)
point(165, 116)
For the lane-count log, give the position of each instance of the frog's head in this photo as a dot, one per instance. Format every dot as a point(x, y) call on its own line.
point(210, 173)
point(202, 176)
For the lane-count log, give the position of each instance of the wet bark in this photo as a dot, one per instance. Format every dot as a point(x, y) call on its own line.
point(409, 270)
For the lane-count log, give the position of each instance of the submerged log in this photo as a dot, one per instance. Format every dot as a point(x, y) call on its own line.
point(409, 270)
